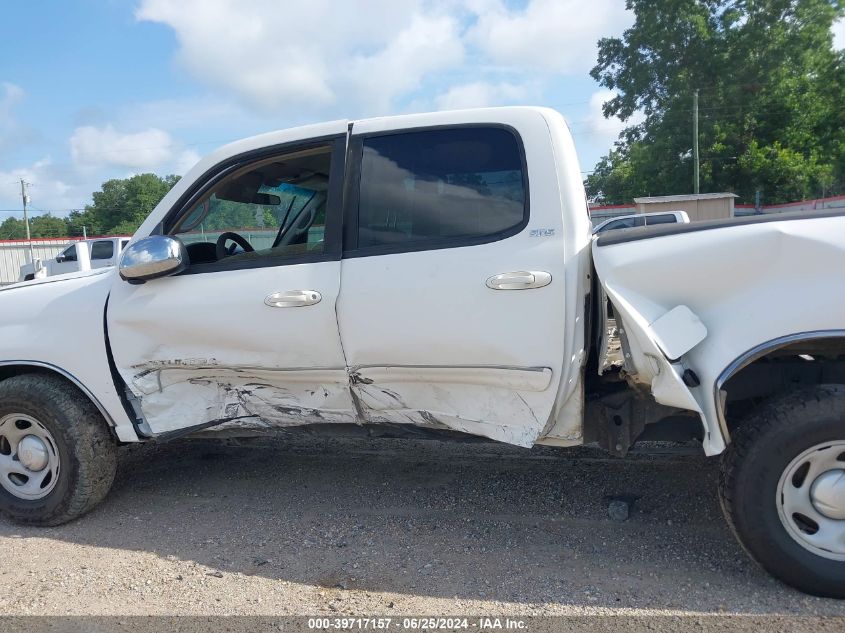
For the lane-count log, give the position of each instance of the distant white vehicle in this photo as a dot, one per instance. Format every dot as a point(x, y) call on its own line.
point(642, 219)
point(103, 253)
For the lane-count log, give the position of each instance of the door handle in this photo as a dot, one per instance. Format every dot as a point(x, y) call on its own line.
point(520, 280)
point(293, 298)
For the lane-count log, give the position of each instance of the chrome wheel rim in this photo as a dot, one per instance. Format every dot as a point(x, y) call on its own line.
point(29, 460)
point(811, 500)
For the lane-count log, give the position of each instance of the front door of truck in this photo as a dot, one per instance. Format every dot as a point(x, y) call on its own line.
point(65, 262)
point(247, 335)
point(451, 309)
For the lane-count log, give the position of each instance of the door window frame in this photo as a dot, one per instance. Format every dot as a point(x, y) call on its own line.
point(332, 240)
point(352, 195)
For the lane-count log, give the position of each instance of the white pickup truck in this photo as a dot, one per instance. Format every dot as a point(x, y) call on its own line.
point(81, 255)
point(436, 274)
point(641, 219)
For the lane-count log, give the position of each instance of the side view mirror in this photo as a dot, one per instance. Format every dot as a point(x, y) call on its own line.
point(153, 257)
point(60, 259)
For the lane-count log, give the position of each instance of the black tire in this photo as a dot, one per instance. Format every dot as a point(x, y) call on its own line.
point(763, 446)
point(86, 450)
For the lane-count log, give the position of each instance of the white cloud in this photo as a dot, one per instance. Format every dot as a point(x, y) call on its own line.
point(95, 147)
point(481, 94)
point(275, 55)
point(47, 188)
point(426, 44)
point(553, 35)
point(603, 131)
point(187, 159)
point(323, 59)
point(838, 29)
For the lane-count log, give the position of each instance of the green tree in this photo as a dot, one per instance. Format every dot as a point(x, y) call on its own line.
point(12, 229)
point(772, 112)
point(39, 226)
point(121, 204)
point(48, 226)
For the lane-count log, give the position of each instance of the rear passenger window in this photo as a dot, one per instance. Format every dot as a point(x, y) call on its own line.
point(102, 250)
point(441, 187)
point(662, 219)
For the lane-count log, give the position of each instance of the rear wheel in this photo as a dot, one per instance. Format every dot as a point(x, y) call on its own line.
point(57, 455)
point(783, 488)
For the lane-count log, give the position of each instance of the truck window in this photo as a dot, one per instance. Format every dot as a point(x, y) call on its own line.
point(437, 188)
point(666, 218)
point(277, 206)
point(102, 249)
point(68, 255)
point(624, 223)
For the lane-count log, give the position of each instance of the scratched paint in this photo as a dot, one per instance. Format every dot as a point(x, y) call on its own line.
point(179, 397)
point(184, 393)
point(501, 414)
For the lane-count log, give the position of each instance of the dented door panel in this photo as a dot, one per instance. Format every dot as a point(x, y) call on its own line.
point(180, 397)
point(486, 401)
point(429, 337)
point(202, 349)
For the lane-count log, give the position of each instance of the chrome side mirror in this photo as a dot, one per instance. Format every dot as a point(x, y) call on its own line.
point(153, 257)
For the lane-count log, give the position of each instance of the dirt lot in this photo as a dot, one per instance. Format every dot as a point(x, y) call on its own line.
point(311, 526)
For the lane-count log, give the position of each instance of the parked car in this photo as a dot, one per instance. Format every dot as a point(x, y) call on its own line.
point(642, 219)
point(436, 274)
point(102, 252)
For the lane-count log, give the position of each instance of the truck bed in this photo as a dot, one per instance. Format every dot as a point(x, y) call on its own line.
point(621, 236)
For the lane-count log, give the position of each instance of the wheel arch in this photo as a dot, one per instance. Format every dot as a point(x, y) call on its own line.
point(835, 338)
point(11, 368)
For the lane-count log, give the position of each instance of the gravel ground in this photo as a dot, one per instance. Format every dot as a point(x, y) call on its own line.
point(299, 525)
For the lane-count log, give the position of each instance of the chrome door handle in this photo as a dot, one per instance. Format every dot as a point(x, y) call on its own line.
point(293, 298)
point(520, 280)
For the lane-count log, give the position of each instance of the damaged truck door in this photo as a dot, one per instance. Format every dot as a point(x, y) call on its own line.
point(451, 300)
point(247, 334)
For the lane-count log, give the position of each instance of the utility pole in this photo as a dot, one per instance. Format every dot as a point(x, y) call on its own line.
point(25, 198)
point(695, 142)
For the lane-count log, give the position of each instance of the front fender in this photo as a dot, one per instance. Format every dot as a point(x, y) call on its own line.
point(57, 324)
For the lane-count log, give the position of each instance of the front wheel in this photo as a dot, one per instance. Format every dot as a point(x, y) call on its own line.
point(782, 488)
point(57, 455)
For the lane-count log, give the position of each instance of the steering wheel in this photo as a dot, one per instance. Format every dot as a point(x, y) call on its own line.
point(223, 252)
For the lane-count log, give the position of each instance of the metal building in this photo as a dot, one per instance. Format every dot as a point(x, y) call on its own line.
point(15, 253)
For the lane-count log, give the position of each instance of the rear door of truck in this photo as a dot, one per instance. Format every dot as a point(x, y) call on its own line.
point(451, 308)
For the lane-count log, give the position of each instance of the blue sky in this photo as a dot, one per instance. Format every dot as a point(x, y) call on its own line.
point(94, 89)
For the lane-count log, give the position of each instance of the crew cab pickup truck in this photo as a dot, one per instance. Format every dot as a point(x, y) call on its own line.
point(100, 253)
point(436, 274)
